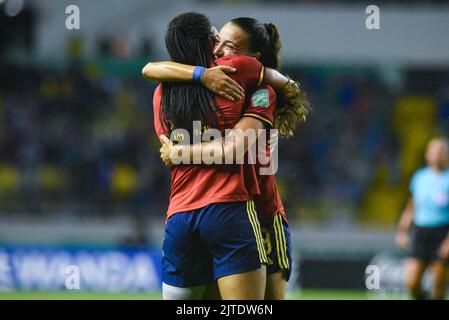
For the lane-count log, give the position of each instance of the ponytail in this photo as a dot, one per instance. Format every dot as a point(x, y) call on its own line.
point(270, 56)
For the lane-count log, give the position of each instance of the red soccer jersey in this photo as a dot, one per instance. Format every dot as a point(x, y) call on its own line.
point(195, 186)
point(267, 201)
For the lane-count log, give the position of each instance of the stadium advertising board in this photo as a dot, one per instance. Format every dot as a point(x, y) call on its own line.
point(82, 269)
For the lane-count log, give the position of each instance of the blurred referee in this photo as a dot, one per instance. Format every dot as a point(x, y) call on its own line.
point(428, 210)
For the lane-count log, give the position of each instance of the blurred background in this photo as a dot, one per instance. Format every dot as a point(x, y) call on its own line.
point(81, 182)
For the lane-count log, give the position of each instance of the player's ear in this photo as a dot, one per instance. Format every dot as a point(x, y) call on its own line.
point(256, 55)
point(213, 41)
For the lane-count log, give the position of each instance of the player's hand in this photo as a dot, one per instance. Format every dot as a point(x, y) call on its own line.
point(443, 251)
point(291, 90)
point(402, 239)
point(216, 80)
point(166, 150)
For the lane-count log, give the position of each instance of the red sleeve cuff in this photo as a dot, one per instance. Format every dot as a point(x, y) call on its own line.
point(260, 117)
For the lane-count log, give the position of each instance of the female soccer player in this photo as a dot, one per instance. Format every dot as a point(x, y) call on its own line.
point(212, 231)
point(428, 210)
point(246, 36)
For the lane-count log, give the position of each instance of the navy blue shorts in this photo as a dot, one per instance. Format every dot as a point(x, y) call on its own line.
point(427, 241)
point(203, 245)
point(277, 242)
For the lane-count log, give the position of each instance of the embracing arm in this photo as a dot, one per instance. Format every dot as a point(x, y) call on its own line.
point(276, 79)
point(167, 71)
point(405, 222)
point(214, 79)
point(233, 147)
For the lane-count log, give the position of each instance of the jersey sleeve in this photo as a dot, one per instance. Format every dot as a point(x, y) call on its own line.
point(262, 106)
point(159, 128)
point(250, 72)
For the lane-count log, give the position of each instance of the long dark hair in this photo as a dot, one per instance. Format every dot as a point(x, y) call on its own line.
point(292, 107)
point(187, 41)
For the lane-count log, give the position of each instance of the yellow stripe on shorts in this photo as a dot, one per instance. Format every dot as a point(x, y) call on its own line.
point(281, 243)
point(257, 232)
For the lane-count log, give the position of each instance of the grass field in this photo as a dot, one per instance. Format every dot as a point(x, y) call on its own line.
point(300, 295)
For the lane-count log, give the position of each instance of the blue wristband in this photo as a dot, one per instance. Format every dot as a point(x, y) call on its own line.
point(198, 73)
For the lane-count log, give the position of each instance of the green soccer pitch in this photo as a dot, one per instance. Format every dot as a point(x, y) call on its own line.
point(300, 295)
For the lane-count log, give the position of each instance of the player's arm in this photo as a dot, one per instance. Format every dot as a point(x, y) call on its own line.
point(277, 80)
point(231, 149)
point(294, 106)
point(214, 79)
point(405, 222)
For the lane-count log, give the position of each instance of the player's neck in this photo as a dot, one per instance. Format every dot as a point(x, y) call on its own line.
point(438, 169)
